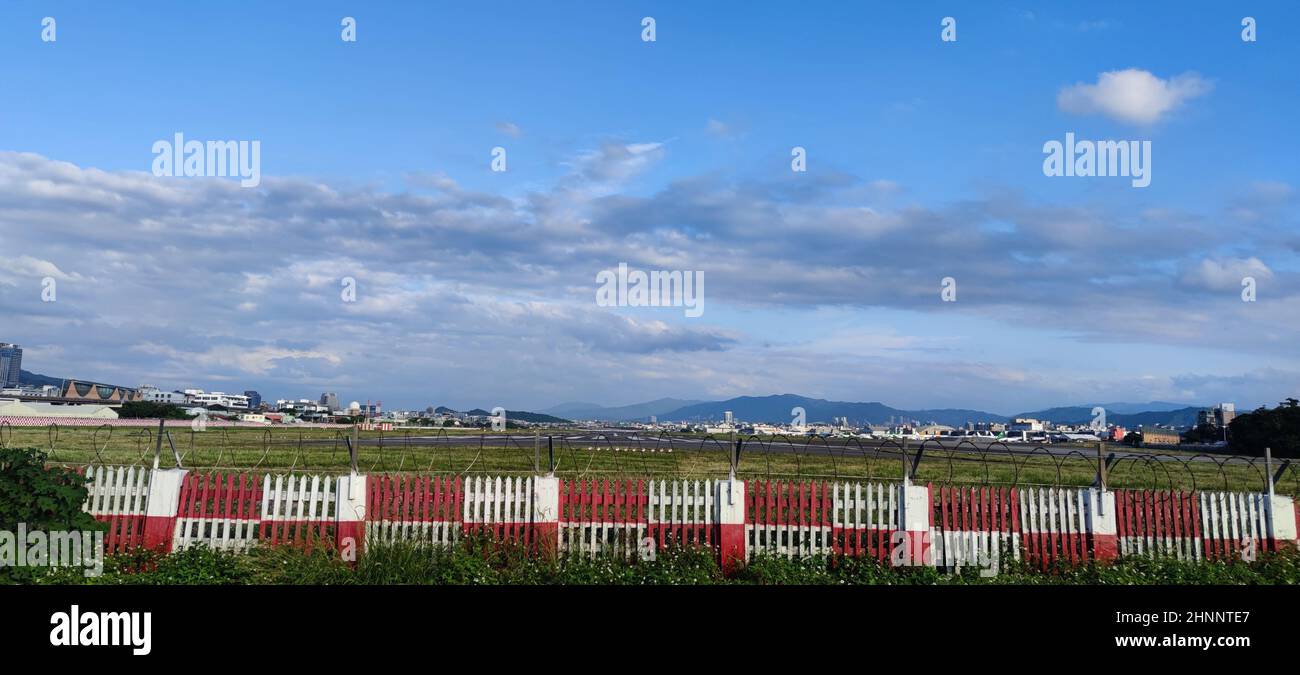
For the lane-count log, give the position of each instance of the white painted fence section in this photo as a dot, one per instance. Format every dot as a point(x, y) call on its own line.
point(299, 499)
point(498, 501)
point(226, 534)
point(117, 491)
point(1234, 522)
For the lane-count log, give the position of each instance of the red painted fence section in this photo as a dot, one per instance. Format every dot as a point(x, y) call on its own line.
point(786, 518)
point(428, 508)
point(976, 525)
point(1161, 521)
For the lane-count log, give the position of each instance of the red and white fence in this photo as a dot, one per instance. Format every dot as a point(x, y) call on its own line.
point(946, 526)
point(65, 422)
point(419, 508)
point(118, 496)
point(793, 520)
point(973, 525)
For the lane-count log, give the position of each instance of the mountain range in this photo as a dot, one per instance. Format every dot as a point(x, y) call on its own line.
point(625, 413)
point(37, 380)
point(776, 409)
point(515, 415)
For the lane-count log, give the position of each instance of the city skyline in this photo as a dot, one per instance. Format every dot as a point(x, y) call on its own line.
point(473, 287)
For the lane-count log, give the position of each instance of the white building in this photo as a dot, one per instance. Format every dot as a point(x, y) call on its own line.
point(199, 397)
point(153, 394)
point(1025, 424)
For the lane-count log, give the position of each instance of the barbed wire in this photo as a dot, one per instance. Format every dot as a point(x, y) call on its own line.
point(590, 453)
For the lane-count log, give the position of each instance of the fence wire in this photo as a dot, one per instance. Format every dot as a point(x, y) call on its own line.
point(630, 454)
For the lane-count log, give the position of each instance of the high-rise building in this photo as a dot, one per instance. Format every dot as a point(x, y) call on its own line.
point(254, 399)
point(1226, 412)
point(1219, 416)
point(330, 400)
point(1207, 417)
point(11, 362)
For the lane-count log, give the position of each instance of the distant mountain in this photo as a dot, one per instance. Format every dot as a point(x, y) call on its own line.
point(37, 380)
point(516, 415)
point(1072, 414)
point(776, 410)
point(635, 412)
point(1151, 406)
point(1183, 417)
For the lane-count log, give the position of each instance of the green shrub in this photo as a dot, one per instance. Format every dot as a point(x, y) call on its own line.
point(478, 561)
point(48, 498)
point(42, 498)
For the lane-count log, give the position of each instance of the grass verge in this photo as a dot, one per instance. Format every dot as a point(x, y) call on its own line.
point(481, 563)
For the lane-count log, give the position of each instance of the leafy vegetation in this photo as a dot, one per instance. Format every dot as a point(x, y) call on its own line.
point(151, 410)
point(1278, 429)
point(40, 497)
point(43, 497)
point(478, 562)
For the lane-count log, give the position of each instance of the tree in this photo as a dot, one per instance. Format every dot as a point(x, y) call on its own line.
point(150, 410)
point(1278, 428)
point(1204, 433)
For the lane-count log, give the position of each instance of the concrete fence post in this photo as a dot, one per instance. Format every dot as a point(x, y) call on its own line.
point(729, 518)
point(1101, 524)
point(1283, 521)
point(350, 516)
point(546, 515)
point(915, 521)
point(162, 508)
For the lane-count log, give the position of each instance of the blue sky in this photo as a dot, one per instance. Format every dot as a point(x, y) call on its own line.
point(924, 161)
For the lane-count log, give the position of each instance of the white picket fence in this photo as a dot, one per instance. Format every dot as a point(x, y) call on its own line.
point(117, 490)
point(1234, 517)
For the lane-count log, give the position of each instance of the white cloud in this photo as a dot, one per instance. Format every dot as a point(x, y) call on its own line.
point(1132, 95)
point(719, 129)
point(468, 289)
point(615, 162)
point(510, 129)
point(1225, 274)
point(27, 266)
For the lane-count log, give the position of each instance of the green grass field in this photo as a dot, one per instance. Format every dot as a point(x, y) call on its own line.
point(325, 450)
